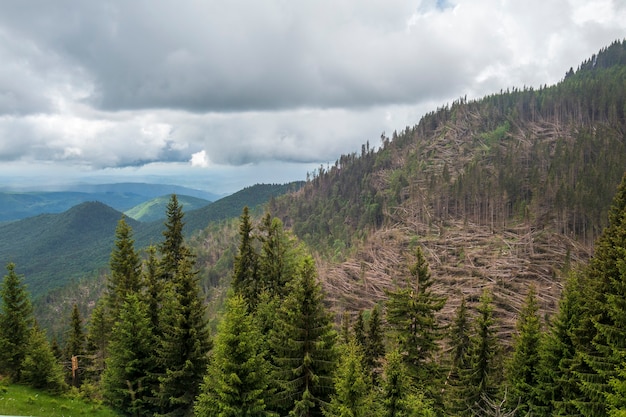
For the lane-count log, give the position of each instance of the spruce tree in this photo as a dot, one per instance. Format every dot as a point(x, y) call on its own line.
point(172, 249)
point(557, 384)
point(236, 383)
point(98, 333)
point(375, 348)
point(125, 267)
point(481, 376)
point(604, 314)
point(131, 361)
point(522, 369)
point(246, 268)
point(184, 342)
point(40, 368)
point(411, 313)
point(354, 396)
point(75, 344)
point(16, 321)
point(399, 396)
point(460, 343)
point(303, 342)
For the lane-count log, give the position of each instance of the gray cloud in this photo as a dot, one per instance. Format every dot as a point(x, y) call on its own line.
point(123, 85)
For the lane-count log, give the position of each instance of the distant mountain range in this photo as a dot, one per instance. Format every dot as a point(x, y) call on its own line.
point(16, 205)
point(51, 250)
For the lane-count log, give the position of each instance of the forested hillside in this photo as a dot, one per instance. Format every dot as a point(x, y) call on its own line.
point(503, 191)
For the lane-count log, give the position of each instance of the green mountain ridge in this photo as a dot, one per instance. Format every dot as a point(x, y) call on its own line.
point(53, 250)
point(154, 209)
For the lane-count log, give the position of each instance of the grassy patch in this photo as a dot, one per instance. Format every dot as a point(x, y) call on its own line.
point(16, 400)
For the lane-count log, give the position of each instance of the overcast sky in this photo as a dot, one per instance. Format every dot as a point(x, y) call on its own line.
point(219, 95)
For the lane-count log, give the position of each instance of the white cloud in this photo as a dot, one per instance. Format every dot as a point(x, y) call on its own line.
point(200, 159)
point(115, 86)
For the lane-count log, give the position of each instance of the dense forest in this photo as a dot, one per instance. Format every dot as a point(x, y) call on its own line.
point(471, 265)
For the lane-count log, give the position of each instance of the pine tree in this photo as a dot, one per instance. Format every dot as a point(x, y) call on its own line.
point(399, 398)
point(411, 313)
point(125, 267)
point(184, 342)
point(246, 268)
point(75, 345)
point(172, 249)
point(16, 321)
point(303, 342)
point(557, 385)
point(98, 333)
point(375, 348)
point(359, 331)
point(353, 396)
point(522, 372)
point(604, 315)
point(127, 377)
point(276, 263)
point(40, 368)
point(236, 383)
point(481, 376)
point(459, 349)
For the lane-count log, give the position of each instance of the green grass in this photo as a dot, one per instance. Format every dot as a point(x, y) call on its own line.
point(17, 400)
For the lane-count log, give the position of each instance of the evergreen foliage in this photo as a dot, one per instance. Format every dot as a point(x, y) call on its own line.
point(16, 321)
point(125, 267)
point(399, 397)
point(131, 362)
point(303, 342)
point(522, 372)
point(354, 395)
point(236, 383)
point(460, 344)
point(411, 313)
point(375, 347)
point(246, 274)
point(481, 376)
point(75, 344)
point(40, 368)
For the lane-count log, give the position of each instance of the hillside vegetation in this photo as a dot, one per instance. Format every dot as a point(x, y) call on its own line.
point(154, 209)
point(502, 192)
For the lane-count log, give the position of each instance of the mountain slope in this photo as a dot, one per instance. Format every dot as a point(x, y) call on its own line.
point(52, 250)
point(502, 192)
point(51, 247)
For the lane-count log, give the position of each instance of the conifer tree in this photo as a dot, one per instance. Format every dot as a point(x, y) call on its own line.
point(399, 398)
point(172, 249)
point(236, 383)
point(353, 396)
point(303, 342)
point(184, 342)
point(481, 376)
point(75, 344)
point(16, 321)
point(375, 349)
point(411, 313)
point(557, 384)
point(459, 349)
point(98, 333)
point(40, 368)
point(522, 372)
point(605, 305)
point(246, 268)
point(276, 263)
point(129, 367)
point(125, 268)
point(359, 331)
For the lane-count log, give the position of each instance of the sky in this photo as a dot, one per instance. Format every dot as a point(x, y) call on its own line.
point(220, 95)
